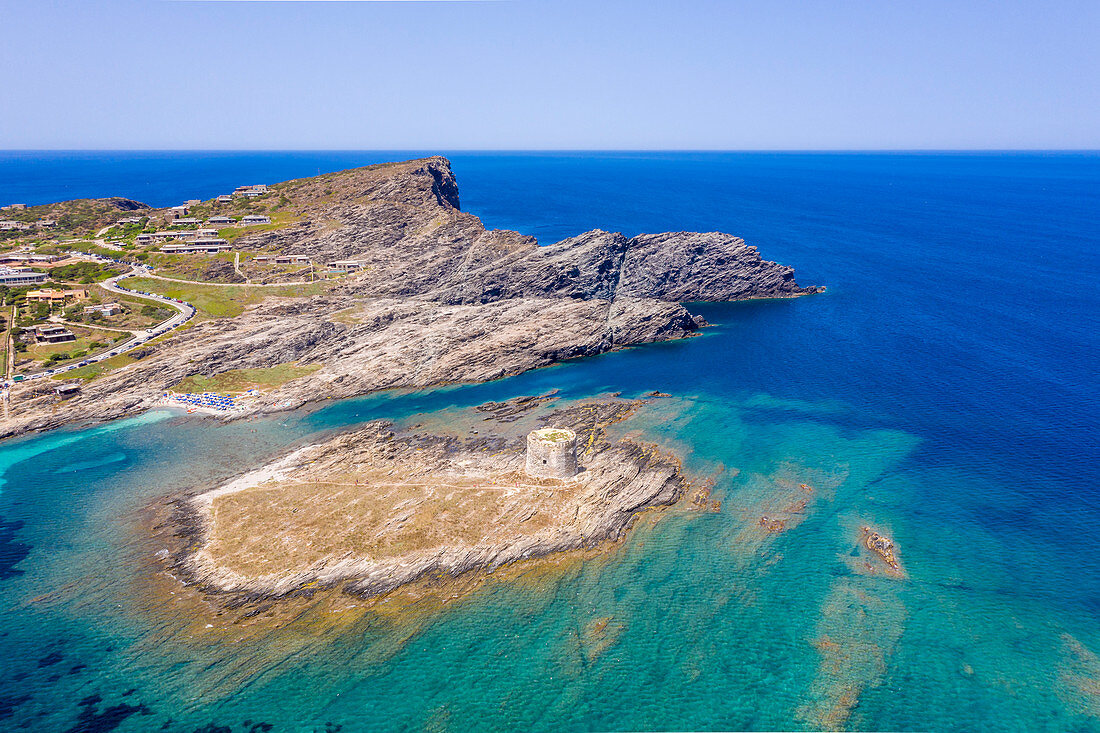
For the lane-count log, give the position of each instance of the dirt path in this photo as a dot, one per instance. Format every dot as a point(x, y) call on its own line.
point(9, 343)
point(224, 285)
point(237, 268)
point(57, 319)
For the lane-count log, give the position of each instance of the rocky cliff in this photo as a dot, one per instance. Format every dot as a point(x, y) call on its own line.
point(403, 223)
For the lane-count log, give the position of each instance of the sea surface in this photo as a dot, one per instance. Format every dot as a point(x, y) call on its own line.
point(944, 390)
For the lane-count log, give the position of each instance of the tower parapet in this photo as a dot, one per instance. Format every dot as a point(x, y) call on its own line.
point(552, 453)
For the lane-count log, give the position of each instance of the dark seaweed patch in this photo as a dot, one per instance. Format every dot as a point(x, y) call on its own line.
point(50, 659)
point(8, 704)
point(11, 551)
point(77, 668)
point(91, 720)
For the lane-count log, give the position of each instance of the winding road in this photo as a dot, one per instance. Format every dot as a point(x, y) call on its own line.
point(184, 313)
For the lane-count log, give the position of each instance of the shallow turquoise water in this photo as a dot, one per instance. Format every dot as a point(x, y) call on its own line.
point(942, 390)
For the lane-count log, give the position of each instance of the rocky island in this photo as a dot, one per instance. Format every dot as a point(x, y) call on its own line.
point(375, 508)
point(435, 298)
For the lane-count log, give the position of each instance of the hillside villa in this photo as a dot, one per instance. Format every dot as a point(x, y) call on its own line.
point(51, 296)
point(346, 265)
point(283, 259)
point(53, 334)
point(107, 309)
point(188, 235)
point(199, 245)
point(258, 189)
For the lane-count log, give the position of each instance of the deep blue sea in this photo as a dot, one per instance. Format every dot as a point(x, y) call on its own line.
point(944, 389)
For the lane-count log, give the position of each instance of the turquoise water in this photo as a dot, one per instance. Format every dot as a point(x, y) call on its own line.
point(943, 390)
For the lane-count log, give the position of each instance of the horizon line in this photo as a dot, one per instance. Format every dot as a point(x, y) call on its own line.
point(549, 150)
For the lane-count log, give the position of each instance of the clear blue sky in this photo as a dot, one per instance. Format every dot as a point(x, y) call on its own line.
point(537, 74)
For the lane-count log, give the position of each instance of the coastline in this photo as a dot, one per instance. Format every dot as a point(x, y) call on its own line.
point(435, 298)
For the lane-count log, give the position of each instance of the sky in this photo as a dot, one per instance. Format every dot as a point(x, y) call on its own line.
point(544, 74)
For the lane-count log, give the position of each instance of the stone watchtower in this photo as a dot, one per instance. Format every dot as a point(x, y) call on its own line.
point(552, 453)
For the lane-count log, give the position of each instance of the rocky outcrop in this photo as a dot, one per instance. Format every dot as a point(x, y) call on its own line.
point(124, 204)
point(364, 345)
point(440, 299)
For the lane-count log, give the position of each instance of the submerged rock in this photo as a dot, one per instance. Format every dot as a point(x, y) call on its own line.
point(882, 546)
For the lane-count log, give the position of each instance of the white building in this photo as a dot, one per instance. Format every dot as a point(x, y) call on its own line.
point(255, 219)
point(149, 238)
point(193, 235)
point(291, 259)
point(200, 245)
point(346, 265)
point(107, 309)
point(13, 276)
point(258, 189)
point(53, 334)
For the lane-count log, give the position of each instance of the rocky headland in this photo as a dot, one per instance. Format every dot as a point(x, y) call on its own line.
point(439, 299)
